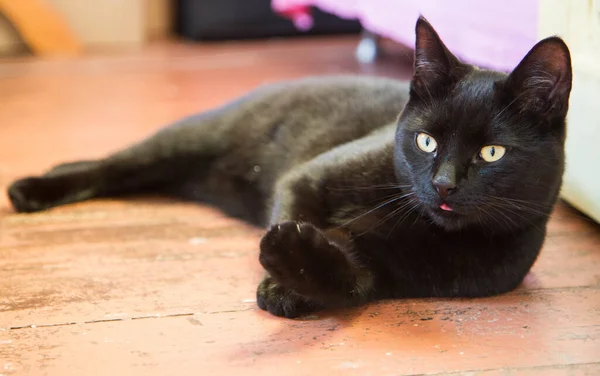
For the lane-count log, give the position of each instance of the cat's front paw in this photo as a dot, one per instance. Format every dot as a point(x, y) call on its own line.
point(300, 257)
point(281, 301)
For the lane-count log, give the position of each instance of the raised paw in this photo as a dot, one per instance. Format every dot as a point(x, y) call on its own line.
point(34, 194)
point(302, 258)
point(280, 301)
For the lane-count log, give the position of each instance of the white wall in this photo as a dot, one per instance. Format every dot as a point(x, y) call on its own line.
point(578, 22)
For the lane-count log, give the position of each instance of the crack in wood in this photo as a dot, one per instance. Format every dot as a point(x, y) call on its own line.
point(157, 316)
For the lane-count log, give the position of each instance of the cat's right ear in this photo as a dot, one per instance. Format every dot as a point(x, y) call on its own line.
point(541, 83)
point(435, 66)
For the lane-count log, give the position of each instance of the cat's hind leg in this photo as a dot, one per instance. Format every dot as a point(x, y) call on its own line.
point(80, 181)
point(150, 166)
point(61, 185)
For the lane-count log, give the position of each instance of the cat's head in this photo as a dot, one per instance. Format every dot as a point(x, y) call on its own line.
point(482, 147)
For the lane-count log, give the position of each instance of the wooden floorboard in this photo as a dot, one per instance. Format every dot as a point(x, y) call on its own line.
point(555, 327)
point(154, 287)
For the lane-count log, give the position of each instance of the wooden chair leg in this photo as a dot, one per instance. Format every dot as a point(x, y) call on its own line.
point(41, 27)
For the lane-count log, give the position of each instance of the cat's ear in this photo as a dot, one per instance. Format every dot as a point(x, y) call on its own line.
point(435, 65)
point(541, 83)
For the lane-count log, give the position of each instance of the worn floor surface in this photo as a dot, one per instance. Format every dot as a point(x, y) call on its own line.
point(149, 287)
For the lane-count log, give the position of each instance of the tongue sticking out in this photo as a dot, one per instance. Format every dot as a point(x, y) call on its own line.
point(445, 207)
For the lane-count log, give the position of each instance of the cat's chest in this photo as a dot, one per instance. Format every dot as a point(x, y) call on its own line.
point(419, 242)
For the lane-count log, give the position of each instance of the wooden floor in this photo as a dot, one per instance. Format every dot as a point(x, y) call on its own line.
point(152, 287)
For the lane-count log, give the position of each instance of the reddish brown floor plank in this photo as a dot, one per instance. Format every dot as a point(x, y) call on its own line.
point(524, 330)
point(124, 260)
point(116, 260)
point(590, 369)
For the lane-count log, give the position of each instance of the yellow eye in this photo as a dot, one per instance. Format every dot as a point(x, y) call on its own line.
point(492, 153)
point(426, 143)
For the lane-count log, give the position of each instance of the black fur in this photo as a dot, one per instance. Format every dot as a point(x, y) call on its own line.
point(354, 207)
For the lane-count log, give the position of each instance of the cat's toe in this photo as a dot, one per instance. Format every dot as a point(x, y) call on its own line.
point(299, 256)
point(285, 251)
point(290, 241)
point(26, 195)
point(280, 301)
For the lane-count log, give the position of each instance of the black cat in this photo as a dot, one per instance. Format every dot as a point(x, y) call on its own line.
point(450, 198)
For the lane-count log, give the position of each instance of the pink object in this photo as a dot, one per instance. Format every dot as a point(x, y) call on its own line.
point(445, 207)
point(300, 16)
point(492, 34)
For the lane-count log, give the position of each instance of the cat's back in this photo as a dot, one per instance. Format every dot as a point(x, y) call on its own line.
point(296, 120)
point(307, 116)
point(325, 94)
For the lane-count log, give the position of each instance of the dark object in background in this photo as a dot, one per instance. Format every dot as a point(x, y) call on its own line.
point(248, 19)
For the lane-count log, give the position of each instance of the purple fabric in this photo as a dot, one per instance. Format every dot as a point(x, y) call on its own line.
point(492, 34)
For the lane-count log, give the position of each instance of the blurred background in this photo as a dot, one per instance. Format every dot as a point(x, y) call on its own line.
point(494, 35)
point(186, 47)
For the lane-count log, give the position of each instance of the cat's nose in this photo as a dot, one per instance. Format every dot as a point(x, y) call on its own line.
point(444, 186)
point(444, 180)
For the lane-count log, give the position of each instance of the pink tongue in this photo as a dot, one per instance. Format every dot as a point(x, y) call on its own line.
point(445, 207)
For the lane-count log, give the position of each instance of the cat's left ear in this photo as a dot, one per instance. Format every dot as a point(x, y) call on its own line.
point(541, 83)
point(435, 65)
